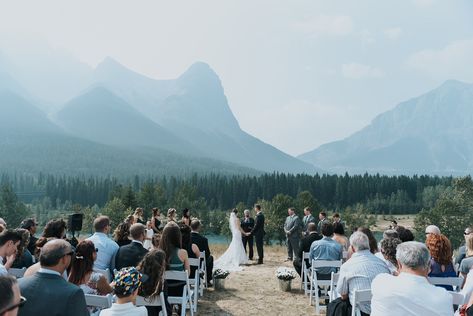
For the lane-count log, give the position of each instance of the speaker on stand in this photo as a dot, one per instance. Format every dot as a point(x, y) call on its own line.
point(74, 224)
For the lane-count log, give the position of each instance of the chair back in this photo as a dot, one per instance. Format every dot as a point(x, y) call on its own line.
point(326, 263)
point(345, 255)
point(306, 255)
point(187, 294)
point(194, 262)
point(360, 297)
point(99, 301)
point(143, 301)
point(458, 298)
point(333, 286)
point(17, 273)
point(456, 282)
point(105, 273)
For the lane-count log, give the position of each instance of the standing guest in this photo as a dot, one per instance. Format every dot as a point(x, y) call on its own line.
point(82, 273)
point(326, 249)
point(322, 219)
point(30, 225)
point(155, 221)
point(359, 271)
point(131, 254)
point(388, 252)
point(126, 285)
point(304, 246)
point(153, 266)
point(462, 250)
point(139, 216)
point(292, 229)
point(203, 243)
point(410, 293)
point(46, 291)
point(186, 217)
point(258, 232)
point(339, 235)
point(149, 236)
point(441, 264)
point(247, 225)
point(10, 300)
point(121, 235)
point(404, 233)
point(373, 242)
point(9, 241)
point(172, 215)
point(308, 218)
point(107, 248)
point(24, 259)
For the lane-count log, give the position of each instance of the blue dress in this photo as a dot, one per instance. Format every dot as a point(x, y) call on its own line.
point(436, 271)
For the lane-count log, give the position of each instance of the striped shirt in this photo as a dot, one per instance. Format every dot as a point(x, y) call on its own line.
point(358, 273)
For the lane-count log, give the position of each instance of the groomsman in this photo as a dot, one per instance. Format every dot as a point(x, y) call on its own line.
point(308, 218)
point(292, 228)
point(247, 225)
point(322, 219)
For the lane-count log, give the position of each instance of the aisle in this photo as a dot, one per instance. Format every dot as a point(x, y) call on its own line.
point(255, 291)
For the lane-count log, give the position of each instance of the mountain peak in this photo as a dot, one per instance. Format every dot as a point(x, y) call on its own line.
point(455, 84)
point(200, 72)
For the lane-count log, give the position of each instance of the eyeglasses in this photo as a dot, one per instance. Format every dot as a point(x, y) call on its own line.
point(96, 249)
point(20, 304)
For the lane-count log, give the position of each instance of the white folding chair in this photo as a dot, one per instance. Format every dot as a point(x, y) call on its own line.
point(143, 301)
point(203, 269)
point(360, 297)
point(17, 273)
point(105, 273)
point(187, 294)
point(305, 272)
point(195, 282)
point(333, 286)
point(100, 301)
point(315, 283)
point(455, 282)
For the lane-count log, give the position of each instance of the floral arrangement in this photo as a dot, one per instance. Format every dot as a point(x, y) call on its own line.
point(287, 274)
point(221, 274)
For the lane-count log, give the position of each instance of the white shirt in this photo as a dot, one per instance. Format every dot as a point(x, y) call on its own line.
point(408, 295)
point(107, 251)
point(3, 270)
point(124, 310)
point(48, 271)
point(148, 244)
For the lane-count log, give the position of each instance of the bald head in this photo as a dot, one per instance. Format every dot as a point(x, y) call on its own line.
point(53, 251)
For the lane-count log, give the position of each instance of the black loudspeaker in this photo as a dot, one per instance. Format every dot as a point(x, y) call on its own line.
point(75, 222)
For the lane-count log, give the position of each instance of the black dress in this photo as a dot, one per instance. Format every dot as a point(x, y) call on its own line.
point(157, 223)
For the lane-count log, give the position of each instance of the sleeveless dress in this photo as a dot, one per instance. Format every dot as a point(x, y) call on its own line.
point(175, 264)
point(235, 254)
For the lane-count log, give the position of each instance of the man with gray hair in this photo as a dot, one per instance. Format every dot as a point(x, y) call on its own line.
point(359, 271)
point(410, 293)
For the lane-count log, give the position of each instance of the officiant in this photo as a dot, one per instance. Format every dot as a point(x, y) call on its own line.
point(247, 224)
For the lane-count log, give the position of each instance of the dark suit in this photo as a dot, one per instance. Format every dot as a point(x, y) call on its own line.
point(32, 245)
point(203, 244)
point(247, 225)
point(130, 255)
point(304, 246)
point(258, 232)
point(50, 294)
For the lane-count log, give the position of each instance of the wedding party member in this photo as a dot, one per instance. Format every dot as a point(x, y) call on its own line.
point(410, 293)
point(172, 215)
point(30, 225)
point(258, 232)
point(322, 219)
point(131, 254)
point(127, 282)
point(9, 241)
point(308, 218)
point(107, 248)
point(203, 243)
point(10, 300)
point(139, 215)
point(121, 235)
point(155, 221)
point(336, 219)
point(186, 217)
point(292, 229)
point(304, 246)
point(149, 236)
point(247, 225)
point(47, 292)
point(326, 249)
point(24, 259)
point(359, 271)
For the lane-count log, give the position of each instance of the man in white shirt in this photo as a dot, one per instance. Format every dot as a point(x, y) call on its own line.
point(9, 241)
point(410, 293)
point(107, 248)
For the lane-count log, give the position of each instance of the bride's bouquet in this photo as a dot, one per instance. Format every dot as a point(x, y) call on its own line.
point(286, 274)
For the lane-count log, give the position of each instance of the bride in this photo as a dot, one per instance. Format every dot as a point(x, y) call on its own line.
point(235, 254)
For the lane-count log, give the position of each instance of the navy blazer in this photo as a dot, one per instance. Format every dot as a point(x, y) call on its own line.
point(130, 255)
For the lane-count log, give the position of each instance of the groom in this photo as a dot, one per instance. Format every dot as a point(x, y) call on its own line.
point(258, 232)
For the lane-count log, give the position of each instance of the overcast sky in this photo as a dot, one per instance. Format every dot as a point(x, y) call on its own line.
point(297, 74)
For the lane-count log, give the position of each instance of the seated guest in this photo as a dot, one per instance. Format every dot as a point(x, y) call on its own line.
point(126, 284)
point(467, 263)
point(463, 249)
point(30, 225)
point(432, 229)
point(203, 243)
point(326, 249)
point(46, 291)
point(24, 258)
point(153, 266)
point(390, 233)
point(373, 243)
point(10, 300)
point(121, 235)
point(82, 273)
point(410, 293)
point(191, 248)
point(339, 235)
point(130, 255)
point(9, 241)
point(404, 234)
point(388, 252)
point(304, 246)
point(359, 271)
point(441, 264)
point(107, 248)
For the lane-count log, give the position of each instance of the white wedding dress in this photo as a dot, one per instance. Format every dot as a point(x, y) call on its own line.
point(235, 254)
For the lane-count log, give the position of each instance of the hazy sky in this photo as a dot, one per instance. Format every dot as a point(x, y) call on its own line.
point(297, 74)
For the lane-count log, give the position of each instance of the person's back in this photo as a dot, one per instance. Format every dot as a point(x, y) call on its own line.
point(326, 249)
point(107, 248)
point(130, 255)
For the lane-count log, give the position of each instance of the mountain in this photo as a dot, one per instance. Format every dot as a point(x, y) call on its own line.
point(195, 108)
point(432, 134)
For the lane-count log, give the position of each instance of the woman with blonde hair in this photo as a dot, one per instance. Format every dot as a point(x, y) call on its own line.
point(138, 215)
point(172, 215)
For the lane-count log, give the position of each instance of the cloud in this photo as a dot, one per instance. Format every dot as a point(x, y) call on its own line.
point(450, 62)
point(326, 25)
point(393, 33)
point(361, 71)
